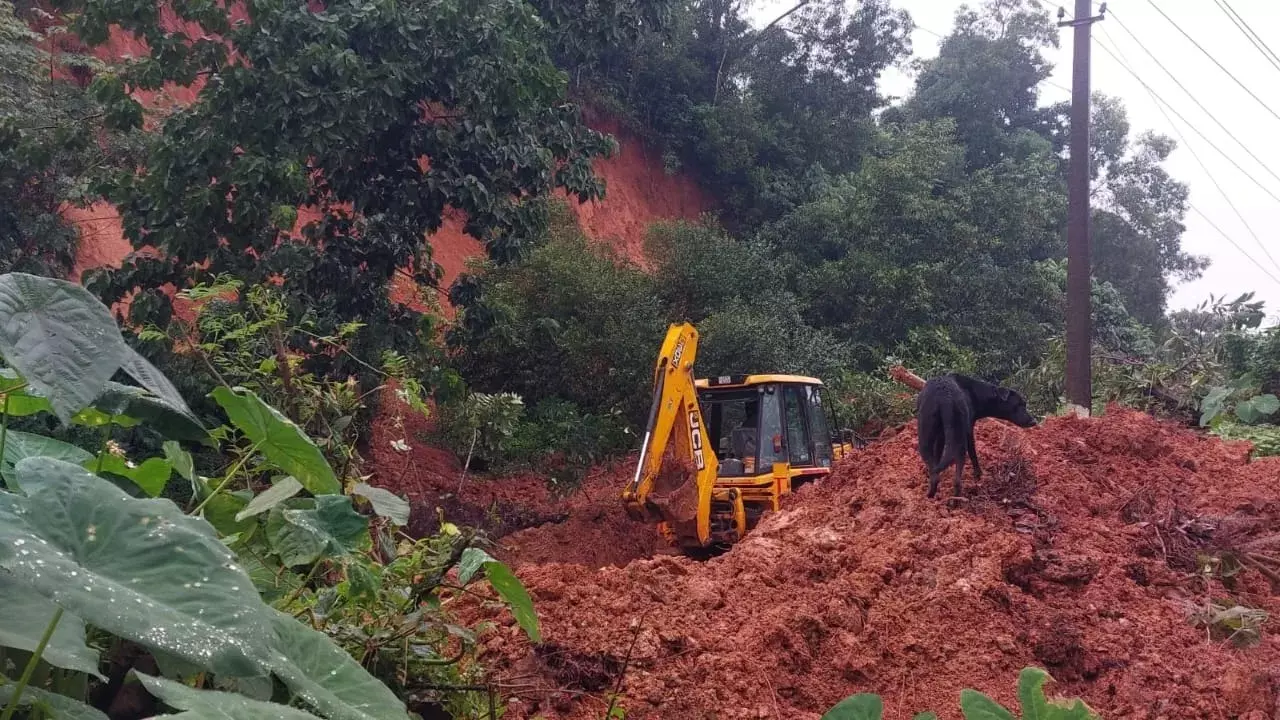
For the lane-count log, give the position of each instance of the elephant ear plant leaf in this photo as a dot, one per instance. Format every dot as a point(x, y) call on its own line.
point(60, 338)
point(137, 568)
point(213, 705)
point(25, 617)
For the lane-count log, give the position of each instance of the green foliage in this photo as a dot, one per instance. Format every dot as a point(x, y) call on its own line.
point(977, 706)
point(52, 143)
point(337, 109)
point(193, 588)
point(571, 322)
point(863, 706)
point(278, 438)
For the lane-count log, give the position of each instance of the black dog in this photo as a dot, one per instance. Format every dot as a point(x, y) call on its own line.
point(946, 412)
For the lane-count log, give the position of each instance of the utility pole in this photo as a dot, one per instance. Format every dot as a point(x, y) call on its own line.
point(1079, 264)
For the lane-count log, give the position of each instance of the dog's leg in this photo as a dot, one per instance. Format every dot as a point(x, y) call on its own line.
point(955, 490)
point(973, 455)
point(933, 482)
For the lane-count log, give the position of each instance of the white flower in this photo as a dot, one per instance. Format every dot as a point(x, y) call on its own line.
point(400, 445)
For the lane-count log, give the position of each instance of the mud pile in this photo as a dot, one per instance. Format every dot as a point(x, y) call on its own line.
point(1079, 551)
point(527, 520)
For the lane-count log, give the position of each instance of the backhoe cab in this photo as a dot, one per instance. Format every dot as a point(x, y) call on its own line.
point(719, 452)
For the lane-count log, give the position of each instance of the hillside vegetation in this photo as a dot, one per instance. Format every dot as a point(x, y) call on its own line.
point(372, 323)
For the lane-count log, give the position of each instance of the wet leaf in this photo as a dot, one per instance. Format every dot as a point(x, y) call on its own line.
point(327, 678)
point(385, 503)
point(137, 568)
point(470, 563)
point(20, 445)
point(59, 707)
point(214, 705)
point(303, 530)
point(279, 440)
point(24, 619)
point(60, 338)
point(286, 488)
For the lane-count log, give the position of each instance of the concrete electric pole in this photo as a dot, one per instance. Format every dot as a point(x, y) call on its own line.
point(1079, 265)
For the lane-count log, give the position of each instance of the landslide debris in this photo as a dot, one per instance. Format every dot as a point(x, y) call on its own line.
point(1082, 550)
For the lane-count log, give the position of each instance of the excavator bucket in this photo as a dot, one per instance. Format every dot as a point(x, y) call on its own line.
point(675, 493)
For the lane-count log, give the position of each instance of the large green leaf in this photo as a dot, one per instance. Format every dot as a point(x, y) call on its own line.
point(137, 568)
point(152, 475)
point(180, 459)
point(58, 707)
point(150, 377)
point(213, 705)
point(1212, 404)
point(273, 582)
point(327, 678)
point(862, 706)
point(21, 445)
point(512, 591)
point(23, 401)
point(280, 440)
point(60, 338)
point(472, 560)
point(303, 529)
point(24, 618)
point(284, 489)
point(977, 706)
point(177, 423)
point(385, 503)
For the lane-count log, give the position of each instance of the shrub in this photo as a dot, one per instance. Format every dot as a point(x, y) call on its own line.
point(213, 592)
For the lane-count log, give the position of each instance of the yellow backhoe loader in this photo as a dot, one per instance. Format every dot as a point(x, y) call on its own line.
point(720, 452)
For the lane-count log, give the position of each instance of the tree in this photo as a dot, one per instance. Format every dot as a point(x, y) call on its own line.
point(1138, 215)
point(51, 137)
point(914, 239)
point(379, 117)
point(986, 77)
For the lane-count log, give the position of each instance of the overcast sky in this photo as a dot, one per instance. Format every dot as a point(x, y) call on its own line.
point(1258, 128)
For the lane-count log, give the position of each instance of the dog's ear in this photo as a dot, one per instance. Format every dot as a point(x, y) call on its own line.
point(1004, 394)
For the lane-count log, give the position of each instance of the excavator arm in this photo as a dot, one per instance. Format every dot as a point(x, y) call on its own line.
point(676, 493)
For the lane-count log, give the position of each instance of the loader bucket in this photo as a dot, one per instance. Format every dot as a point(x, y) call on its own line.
point(675, 494)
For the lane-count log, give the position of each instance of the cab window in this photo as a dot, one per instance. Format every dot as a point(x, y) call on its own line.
point(818, 425)
point(733, 419)
point(798, 445)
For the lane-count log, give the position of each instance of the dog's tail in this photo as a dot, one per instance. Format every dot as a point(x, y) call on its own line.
point(954, 445)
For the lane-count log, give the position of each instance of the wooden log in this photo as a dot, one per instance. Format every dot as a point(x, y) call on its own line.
point(906, 377)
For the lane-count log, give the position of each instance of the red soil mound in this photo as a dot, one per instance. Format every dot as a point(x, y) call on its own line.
point(530, 523)
point(1076, 552)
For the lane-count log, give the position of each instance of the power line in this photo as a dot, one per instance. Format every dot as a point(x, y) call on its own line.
point(1257, 240)
point(1160, 105)
point(1227, 237)
point(1250, 33)
point(1193, 97)
point(1188, 123)
point(1214, 60)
